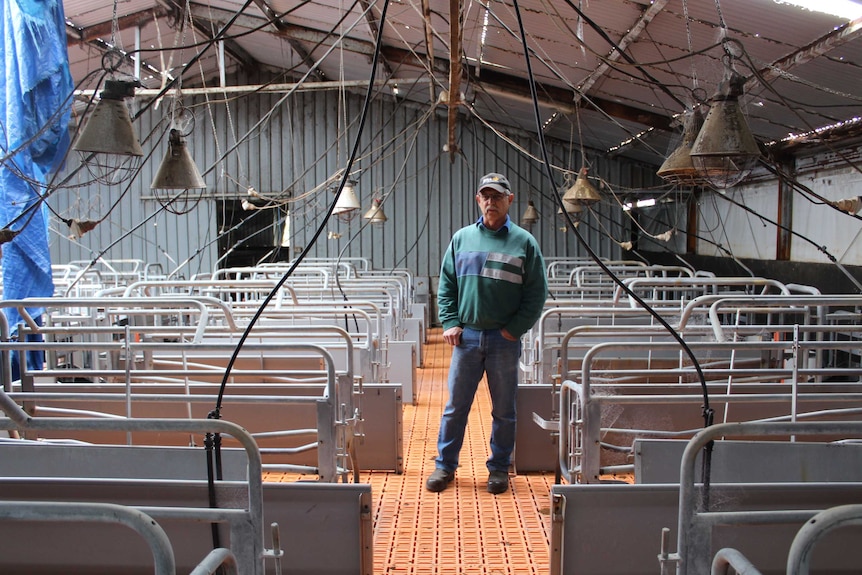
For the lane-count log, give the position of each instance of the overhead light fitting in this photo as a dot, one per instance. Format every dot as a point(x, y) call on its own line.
point(347, 205)
point(725, 151)
point(375, 213)
point(531, 215)
point(678, 168)
point(108, 145)
point(177, 171)
point(571, 207)
point(582, 193)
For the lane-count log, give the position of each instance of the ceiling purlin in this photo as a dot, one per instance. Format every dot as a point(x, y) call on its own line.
point(231, 47)
point(76, 36)
point(104, 30)
point(566, 99)
point(838, 37)
point(519, 87)
point(285, 30)
point(631, 37)
point(298, 32)
point(375, 31)
point(633, 34)
point(204, 26)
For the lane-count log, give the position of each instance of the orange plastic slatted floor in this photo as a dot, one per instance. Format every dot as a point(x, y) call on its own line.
point(463, 530)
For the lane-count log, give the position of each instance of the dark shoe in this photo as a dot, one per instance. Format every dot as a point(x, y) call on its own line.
point(438, 480)
point(498, 482)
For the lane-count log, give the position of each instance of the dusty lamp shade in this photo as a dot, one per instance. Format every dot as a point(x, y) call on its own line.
point(347, 204)
point(178, 171)
point(582, 193)
point(725, 152)
point(572, 207)
point(375, 213)
point(531, 215)
point(678, 169)
point(108, 144)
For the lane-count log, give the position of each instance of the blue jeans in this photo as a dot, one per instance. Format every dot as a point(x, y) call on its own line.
point(488, 353)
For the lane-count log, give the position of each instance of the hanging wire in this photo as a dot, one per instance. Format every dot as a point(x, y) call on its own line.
point(216, 412)
point(708, 414)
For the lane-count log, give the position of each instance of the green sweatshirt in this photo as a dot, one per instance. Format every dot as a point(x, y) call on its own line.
point(492, 280)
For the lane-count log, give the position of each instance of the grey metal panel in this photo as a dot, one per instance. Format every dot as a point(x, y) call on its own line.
point(657, 461)
point(43, 459)
point(321, 526)
point(535, 448)
point(381, 447)
point(616, 529)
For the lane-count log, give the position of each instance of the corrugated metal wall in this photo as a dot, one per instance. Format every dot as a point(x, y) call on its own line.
point(284, 147)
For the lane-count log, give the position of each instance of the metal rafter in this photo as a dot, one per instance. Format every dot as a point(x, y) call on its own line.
point(285, 30)
point(847, 33)
point(633, 34)
point(231, 47)
point(76, 34)
point(375, 32)
point(93, 36)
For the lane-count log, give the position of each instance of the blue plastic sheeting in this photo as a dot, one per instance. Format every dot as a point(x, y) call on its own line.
point(35, 105)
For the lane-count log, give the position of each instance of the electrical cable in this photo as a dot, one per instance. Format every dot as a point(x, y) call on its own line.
point(238, 143)
point(821, 249)
point(216, 412)
point(708, 414)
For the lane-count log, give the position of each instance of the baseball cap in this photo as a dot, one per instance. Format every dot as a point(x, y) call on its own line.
point(496, 182)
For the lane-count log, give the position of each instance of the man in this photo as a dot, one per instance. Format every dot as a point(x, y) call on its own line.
point(492, 290)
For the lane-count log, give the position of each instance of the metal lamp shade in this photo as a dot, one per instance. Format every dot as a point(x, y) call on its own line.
point(347, 202)
point(109, 131)
point(107, 143)
point(572, 207)
point(531, 215)
point(375, 213)
point(725, 151)
point(679, 168)
point(582, 191)
point(177, 171)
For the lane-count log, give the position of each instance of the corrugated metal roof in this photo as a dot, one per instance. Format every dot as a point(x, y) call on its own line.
point(671, 57)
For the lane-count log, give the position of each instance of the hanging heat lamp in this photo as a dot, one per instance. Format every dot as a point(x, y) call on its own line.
point(678, 169)
point(725, 151)
point(347, 205)
point(375, 213)
point(177, 171)
point(570, 205)
point(582, 192)
point(531, 215)
point(108, 145)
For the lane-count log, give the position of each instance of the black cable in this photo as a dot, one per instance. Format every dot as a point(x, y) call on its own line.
point(707, 411)
point(216, 412)
point(821, 249)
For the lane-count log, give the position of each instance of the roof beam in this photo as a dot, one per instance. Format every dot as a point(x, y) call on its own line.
point(375, 30)
point(102, 30)
point(567, 100)
point(284, 30)
point(847, 33)
point(562, 98)
point(633, 34)
point(231, 47)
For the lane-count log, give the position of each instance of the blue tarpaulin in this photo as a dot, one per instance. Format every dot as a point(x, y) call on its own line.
point(34, 135)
